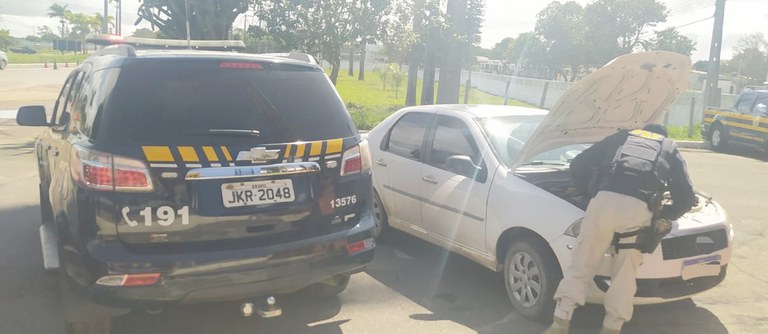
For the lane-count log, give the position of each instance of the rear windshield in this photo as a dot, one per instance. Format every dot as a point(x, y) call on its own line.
point(181, 101)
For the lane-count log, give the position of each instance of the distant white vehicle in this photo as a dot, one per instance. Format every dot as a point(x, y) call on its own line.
point(493, 184)
point(3, 60)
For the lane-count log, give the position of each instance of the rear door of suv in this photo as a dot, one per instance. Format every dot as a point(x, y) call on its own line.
point(239, 153)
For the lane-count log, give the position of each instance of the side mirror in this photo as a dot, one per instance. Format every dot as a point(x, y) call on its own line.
point(462, 165)
point(32, 116)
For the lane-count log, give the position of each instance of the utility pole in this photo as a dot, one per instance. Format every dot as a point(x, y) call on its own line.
point(105, 28)
point(713, 74)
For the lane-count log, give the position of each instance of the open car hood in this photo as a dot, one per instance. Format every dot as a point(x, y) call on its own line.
point(629, 92)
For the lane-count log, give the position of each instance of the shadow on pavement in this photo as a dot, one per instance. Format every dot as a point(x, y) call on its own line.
point(300, 315)
point(456, 289)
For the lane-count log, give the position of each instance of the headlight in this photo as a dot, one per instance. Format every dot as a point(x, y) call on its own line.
point(574, 229)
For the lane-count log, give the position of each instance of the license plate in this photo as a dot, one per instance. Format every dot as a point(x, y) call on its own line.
point(701, 267)
point(257, 193)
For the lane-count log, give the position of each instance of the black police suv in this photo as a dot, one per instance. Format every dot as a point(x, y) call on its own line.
point(171, 177)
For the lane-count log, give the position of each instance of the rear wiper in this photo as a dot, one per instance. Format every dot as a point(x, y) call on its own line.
point(235, 132)
point(539, 163)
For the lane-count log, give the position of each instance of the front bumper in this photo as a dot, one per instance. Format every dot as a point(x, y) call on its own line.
point(224, 275)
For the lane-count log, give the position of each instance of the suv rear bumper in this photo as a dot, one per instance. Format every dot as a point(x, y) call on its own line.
point(226, 275)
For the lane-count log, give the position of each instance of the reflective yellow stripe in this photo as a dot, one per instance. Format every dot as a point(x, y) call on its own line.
point(316, 149)
point(745, 126)
point(210, 154)
point(287, 150)
point(334, 146)
point(709, 120)
point(188, 154)
point(158, 153)
point(226, 153)
point(300, 150)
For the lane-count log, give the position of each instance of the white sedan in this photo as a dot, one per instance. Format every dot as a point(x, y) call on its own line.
point(492, 183)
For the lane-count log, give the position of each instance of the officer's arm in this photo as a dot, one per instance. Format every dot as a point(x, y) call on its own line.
point(581, 166)
point(680, 189)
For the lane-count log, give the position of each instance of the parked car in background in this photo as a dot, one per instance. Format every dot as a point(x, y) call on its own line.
point(24, 50)
point(746, 123)
point(492, 183)
point(3, 60)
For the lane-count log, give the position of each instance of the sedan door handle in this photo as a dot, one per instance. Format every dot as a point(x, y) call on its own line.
point(381, 162)
point(429, 179)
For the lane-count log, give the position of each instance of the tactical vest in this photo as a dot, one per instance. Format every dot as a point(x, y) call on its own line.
point(640, 167)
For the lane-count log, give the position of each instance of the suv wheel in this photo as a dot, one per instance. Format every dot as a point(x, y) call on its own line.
point(718, 138)
point(379, 217)
point(331, 287)
point(531, 275)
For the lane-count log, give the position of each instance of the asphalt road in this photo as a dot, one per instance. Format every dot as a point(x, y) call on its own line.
point(411, 287)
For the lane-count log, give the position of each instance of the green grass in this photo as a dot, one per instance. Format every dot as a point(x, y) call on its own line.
point(369, 102)
point(681, 132)
point(38, 58)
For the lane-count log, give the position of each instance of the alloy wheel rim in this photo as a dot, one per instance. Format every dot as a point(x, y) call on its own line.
point(525, 279)
point(716, 137)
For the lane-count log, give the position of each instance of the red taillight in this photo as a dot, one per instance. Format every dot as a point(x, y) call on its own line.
point(356, 159)
point(104, 171)
point(360, 246)
point(241, 65)
point(129, 280)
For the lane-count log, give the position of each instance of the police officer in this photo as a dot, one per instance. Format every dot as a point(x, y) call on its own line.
point(625, 172)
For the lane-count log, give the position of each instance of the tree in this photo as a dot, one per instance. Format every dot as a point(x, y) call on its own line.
point(6, 39)
point(464, 21)
point(615, 27)
point(59, 11)
point(207, 19)
point(701, 65)
point(499, 50)
point(396, 34)
point(46, 34)
point(750, 58)
point(368, 17)
point(314, 26)
point(144, 33)
point(671, 40)
point(561, 27)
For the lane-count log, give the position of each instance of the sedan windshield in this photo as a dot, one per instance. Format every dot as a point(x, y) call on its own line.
point(509, 134)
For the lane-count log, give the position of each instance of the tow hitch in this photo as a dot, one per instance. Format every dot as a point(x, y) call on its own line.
point(266, 309)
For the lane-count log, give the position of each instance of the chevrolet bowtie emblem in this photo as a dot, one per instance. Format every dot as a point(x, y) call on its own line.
point(258, 155)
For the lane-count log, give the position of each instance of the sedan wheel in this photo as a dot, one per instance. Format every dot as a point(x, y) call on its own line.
point(531, 275)
point(379, 217)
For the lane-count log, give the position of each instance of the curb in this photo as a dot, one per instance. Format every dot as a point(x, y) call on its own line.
point(691, 144)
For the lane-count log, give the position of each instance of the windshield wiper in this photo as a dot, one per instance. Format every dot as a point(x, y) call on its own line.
point(235, 132)
point(540, 163)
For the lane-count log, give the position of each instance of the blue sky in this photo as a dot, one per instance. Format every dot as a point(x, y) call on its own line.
point(504, 18)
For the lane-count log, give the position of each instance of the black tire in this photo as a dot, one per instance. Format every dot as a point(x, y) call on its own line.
point(380, 218)
point(81, 317)
point(530, 264)
point(718, 137)
point(330, 287)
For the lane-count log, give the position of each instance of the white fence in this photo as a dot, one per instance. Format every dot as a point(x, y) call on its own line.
point(545, 93)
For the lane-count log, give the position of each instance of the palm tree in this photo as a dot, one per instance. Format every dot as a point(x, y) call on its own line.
point(60, 11)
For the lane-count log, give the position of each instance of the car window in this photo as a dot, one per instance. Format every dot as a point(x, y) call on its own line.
point(452, 137)
point(761, 105)
point(62, 99)
point(63, 115)
point(745, 103)
point(406, 136)
point(91, 99)
point(176, 101)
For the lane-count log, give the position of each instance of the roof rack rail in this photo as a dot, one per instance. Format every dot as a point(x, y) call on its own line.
point(117, 50)
point(156, 43)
